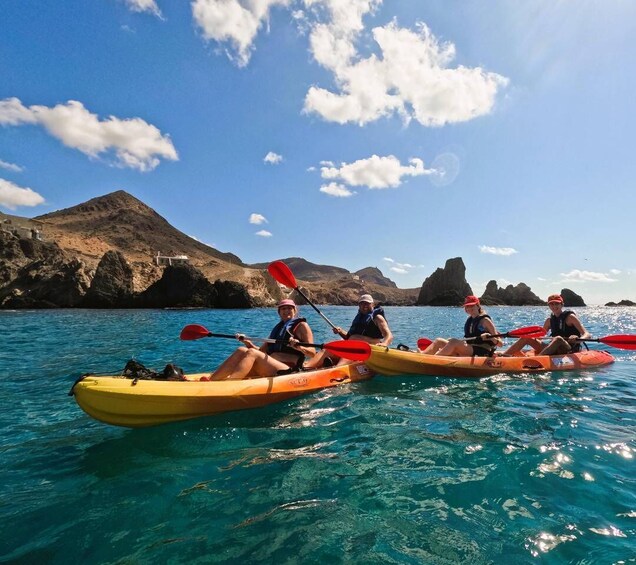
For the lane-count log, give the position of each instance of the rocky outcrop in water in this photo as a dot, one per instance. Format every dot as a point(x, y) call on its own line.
point(571, 298)
point(185, 286)
point(112, 286)
point(447, 286)
point(622, 303)
point(519, 295)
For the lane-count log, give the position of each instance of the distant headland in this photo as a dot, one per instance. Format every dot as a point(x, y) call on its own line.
point(114, 251)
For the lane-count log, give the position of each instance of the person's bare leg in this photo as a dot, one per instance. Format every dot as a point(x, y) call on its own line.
point(229, 365)
point(434, 347)
point(317, 360)
point(456, 348)
point(520, 344)
point(245, 361)
point(558, 346)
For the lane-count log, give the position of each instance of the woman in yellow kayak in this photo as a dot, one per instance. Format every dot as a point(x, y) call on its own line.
point(271, 358)
point(478, 330)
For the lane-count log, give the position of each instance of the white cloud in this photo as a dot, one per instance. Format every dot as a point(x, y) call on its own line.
point(578, 276)
point(257, 219)
point(234, 21)
point(264, 233)
point(614, 272)
point(136, 143)
point(12, 195)
point(541, 279)
point(411, 75)
point(144, 6)
point(504, 251)
point(273, 158)
point(400, 268)
point(375, 172)
point(411, 78)
point(10, 167)
point(335, 189)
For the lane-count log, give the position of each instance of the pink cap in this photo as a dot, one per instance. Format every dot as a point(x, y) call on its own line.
point(471, 300)
point(286, 302)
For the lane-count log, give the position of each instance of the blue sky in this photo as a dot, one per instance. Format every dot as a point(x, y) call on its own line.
point(355, 133)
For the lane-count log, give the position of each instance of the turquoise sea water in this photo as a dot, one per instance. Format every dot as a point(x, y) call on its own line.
point(536, 469)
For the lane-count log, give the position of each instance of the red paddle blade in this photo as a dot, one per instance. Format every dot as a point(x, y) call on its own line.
point(530, 331)
point(352, 349)
point(282, 273)
point(423, 343)
point(620, 341)
point(193, 331)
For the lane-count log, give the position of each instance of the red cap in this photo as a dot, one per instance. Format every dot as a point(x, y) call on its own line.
point(471, 300)
point(555, 298)
point(286, 302)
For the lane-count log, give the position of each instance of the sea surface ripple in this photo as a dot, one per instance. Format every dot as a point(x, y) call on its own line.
point(509, 469)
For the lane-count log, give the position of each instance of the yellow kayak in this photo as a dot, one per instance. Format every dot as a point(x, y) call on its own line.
point(385, 361)
point(121, 401)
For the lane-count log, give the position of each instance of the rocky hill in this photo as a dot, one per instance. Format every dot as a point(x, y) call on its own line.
point(306, 271)
point(374, 275)
point(102, 254)
point(105, 250)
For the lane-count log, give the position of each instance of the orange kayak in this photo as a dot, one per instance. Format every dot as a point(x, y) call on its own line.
point(121, 401)
point(385, 361)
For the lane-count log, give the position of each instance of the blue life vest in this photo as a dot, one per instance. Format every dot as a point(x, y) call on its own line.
point(364, 324)
point(280, 332)
point(474, 328)
point(558, 327)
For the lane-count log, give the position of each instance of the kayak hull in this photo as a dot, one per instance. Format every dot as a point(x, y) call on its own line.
point(386, 361)
point(120, 401)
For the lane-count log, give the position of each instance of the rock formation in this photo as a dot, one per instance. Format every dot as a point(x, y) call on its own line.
point(374, 275)
point(185, 286)
point(519, 295)
point(622, 303)
point(36, 274)
point(307, 271)
point(112, 286)
point(570, 298)
point(447, 286)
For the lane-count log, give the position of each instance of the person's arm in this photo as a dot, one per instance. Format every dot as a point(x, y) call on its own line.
point(339, 331)
point(303, 333)
point(575, 322)
point(247, 343)
point(387, 336)
point(490, 331)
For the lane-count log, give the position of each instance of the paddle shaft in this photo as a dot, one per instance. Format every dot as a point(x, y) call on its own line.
point(262, 339)
point(494, 335)
point(283, 274)
point(315, 307)
point(530, 333)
